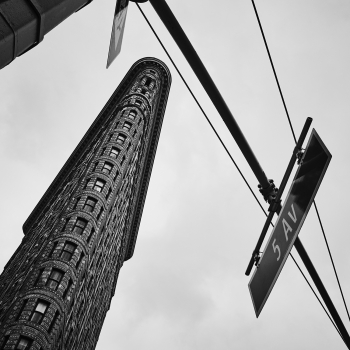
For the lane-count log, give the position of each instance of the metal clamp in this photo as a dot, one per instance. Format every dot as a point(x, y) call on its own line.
point(269, 193)
point(299, 155)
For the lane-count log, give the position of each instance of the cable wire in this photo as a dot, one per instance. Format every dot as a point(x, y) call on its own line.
point(330, 255)
point(274, 72)
point(211, 125)
point(291, 127)
point(316, 296)
point(200, 107)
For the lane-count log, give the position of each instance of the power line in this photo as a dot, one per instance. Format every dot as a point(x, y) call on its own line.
point(316, 295)
point(211, 125)
point(274, 72)
point(330, 255)
point(292, 130)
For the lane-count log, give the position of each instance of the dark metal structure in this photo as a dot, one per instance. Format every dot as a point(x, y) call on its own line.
point(174, 28)
point(24, 23)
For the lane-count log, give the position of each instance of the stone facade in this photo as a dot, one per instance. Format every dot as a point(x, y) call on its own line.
point(57, 288)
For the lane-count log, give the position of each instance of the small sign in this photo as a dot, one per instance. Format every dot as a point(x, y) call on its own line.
point(115, 45)
point(299, 199)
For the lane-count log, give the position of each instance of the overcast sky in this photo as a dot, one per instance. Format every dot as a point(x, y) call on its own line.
point(185, 286)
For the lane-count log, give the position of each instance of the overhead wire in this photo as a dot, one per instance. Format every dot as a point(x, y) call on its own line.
point(301, 271)
point(292, 130)
point(330, 255)
point(222, 143)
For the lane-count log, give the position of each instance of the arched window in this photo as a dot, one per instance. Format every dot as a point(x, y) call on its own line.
point(55, 278)
point(99, 184)
point(80, 223)
point(126, 126)
point(68, 251)
point(107, 168)
point(121, 138)
point(39, 311)
point(114, 152)
point(89, 206)
point(24, 343)
point(132, 115)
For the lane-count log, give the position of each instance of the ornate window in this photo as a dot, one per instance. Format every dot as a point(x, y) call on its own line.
point(99, 185)
point(114, 152)
point(107, 168)
point(39, 311)
point(80, 224)
point(68, 251)
point(126, 126)
point(24, 343)
point(122, 138)
point(55, 278)
point(89, 206)
point(132, 115)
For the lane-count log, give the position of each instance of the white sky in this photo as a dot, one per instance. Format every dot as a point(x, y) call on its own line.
point(185, 287)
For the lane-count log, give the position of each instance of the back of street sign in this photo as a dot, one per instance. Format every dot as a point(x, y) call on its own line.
point(119, 19)
point(299, 199)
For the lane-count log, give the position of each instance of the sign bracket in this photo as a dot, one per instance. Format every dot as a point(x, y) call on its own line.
point(275, 205)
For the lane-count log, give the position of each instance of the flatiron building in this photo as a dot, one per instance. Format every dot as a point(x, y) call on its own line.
point(56, 289)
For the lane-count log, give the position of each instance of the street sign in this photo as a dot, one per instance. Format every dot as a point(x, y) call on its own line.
point(115, 45)
point(291, 218)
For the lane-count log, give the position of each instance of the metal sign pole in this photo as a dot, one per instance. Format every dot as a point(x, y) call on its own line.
point(174, 28)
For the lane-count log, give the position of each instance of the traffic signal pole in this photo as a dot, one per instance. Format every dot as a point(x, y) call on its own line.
point(24, 23)
point(267, 187)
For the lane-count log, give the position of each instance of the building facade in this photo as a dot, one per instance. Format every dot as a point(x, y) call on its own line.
point(56, 289)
